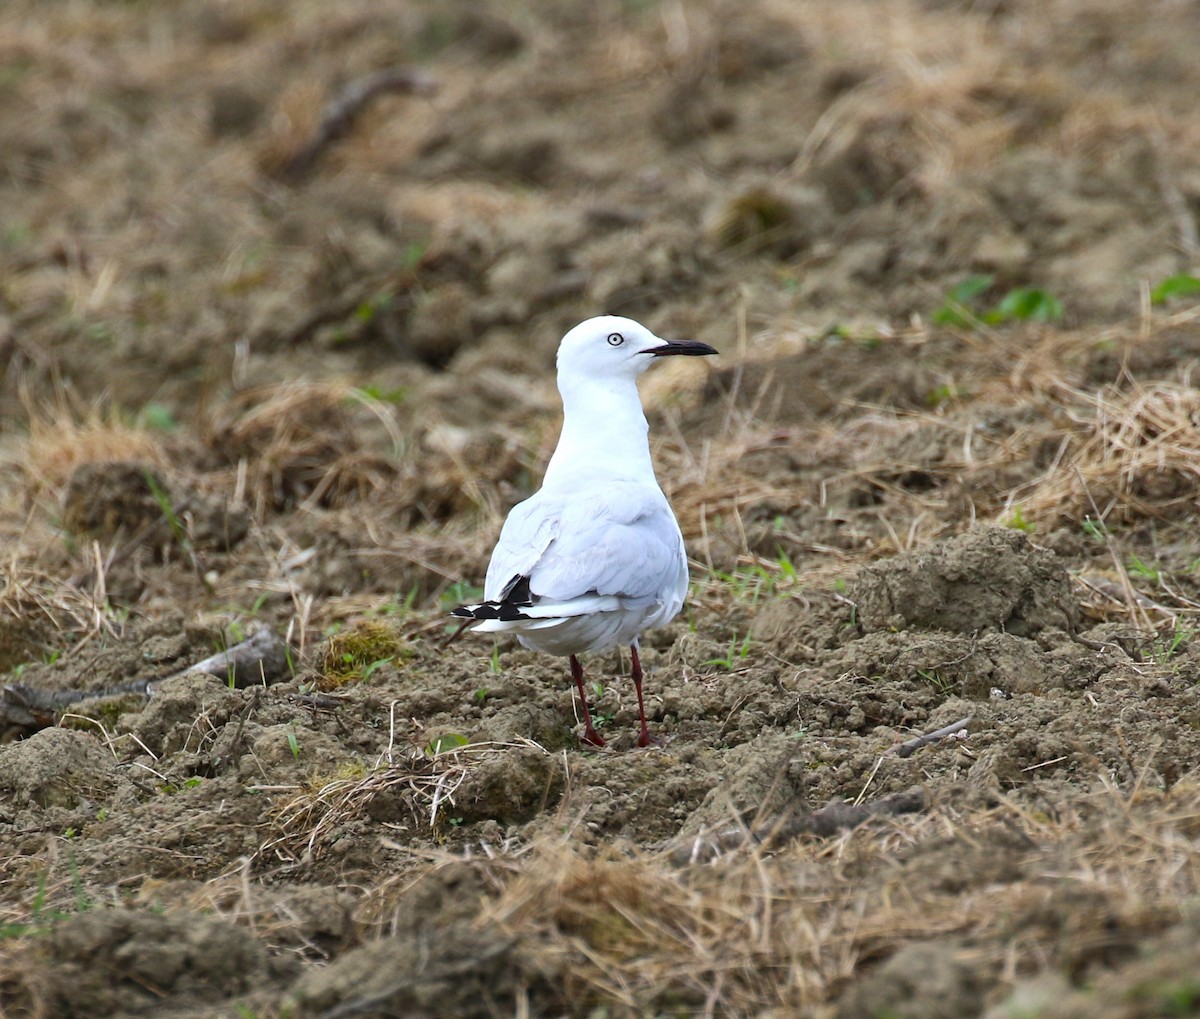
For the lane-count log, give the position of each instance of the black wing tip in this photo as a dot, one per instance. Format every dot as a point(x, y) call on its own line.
point(506, 612)
point(513, 598)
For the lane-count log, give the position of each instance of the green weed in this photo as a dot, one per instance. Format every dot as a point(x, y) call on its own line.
point(962, 307)
point(178, 531)
point(170, 788)
point(459, 593)
point(394, 396)
point(157, 416)
point(761, 579)
point(1167, 646)
point(1182, 285)
point(1137, 566)
point(449, 741)
point(738, 650)
point(944, 686)
point(42, 919)
point(1015, 520)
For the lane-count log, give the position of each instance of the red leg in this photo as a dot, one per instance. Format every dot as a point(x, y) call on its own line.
point(644, 740)
point(590, 735)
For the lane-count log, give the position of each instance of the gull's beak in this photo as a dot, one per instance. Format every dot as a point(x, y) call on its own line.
point(692, 348)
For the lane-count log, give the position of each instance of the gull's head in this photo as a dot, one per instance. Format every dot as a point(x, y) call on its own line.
point(611, 347)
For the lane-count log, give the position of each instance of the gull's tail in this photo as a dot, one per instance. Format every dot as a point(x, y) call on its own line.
point(518, 608)
point(509, 615)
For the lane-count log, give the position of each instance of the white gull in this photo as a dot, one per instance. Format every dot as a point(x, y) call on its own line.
point(595, 556)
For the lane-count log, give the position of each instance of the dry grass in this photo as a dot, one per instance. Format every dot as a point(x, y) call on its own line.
point(40, 613)
point(627, 930)
point(305, 443)
point(64, 437)
point(1135, 456)
point(789, 930)
point(417, 783)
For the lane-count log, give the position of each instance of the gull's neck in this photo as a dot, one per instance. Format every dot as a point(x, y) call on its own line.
point(604, 432)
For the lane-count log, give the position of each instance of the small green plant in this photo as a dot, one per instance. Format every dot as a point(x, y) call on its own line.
point(1095, 529)
point(293, 745)
point(42, 919)
point(759, 579)
point(956, 309)
point(368, 309)
point(178, 532)
point(448, 741)
point(394, 396)
point(459, 593)
point(494, 662)
point(481, 695)
point(738, 650)
point(370, 667)
point(1166, 646)
point(413, 254)
point(170, 788)
point(399, 606)
point(962, 308)
point(1026, 304)
point(1015, 520)
point(157, 416)
point(600, 717)
point(1182, 285)
point(1143, 569)
point(947, 392)
point(935, 679)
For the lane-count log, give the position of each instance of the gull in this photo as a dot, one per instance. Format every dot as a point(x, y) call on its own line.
point(595, 556)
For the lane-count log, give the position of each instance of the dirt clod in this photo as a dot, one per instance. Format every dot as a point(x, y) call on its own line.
point(119, 960)
point(988, 579)
point(56, 768)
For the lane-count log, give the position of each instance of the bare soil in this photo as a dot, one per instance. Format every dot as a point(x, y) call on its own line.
point(269, 359)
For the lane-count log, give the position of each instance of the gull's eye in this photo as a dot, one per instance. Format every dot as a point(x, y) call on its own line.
point(615, 339)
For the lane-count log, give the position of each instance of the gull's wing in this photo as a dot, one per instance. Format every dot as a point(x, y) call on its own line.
point(622, 540)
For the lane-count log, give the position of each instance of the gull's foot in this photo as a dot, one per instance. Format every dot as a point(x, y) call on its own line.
point(646, 740)
point(592, 737)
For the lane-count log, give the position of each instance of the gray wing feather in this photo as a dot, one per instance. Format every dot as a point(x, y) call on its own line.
point(527, 532)
point(624, 542)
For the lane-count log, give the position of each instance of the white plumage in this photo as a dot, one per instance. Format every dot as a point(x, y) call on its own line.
point(595, 556)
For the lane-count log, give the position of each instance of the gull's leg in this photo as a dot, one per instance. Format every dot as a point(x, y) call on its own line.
point(590, 735)
point(645, 739)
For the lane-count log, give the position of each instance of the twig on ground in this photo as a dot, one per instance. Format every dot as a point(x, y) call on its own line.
point(257, 661)
point(343, 110)
point(829, 820)
point(908, 747)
